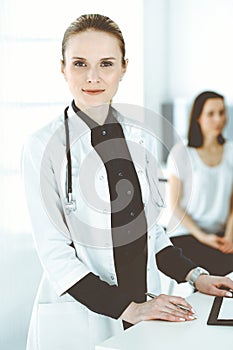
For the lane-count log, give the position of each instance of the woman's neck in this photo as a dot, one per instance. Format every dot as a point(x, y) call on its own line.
point(210, 143)
point(97, 113)
point(211, 152)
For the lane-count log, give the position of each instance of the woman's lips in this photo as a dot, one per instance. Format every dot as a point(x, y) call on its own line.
point(93, 92)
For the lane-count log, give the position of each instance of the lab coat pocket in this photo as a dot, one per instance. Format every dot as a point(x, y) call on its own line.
point(103, 327)
point(62, 326)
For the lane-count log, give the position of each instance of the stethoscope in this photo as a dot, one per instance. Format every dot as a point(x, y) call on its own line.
point(70, 204)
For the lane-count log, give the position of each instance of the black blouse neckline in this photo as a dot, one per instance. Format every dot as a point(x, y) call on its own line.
point(89, 121)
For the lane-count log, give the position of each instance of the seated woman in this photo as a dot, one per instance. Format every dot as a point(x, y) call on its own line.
point(201, 188)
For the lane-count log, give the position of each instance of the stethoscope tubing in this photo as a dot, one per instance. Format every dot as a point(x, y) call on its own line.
point(70, 202)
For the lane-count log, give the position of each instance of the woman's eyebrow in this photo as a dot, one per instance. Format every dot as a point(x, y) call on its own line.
point(101, 59)
point(107, 58)
point(78, 58)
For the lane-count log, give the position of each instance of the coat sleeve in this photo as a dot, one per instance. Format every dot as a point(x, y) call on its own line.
point(50, 232)
point(173, 263)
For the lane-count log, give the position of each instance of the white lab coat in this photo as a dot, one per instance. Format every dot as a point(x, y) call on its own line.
point(59, 321)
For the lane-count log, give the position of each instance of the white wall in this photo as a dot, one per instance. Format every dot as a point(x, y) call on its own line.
point(188, 48)
point(39, 25)
point(156, 61)
point(200, 47)
point(156, 77)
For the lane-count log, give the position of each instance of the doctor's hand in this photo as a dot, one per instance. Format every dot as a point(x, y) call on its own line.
point(212, 284)
point(161, 308)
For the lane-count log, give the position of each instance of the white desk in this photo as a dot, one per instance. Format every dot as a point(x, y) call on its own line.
point(162, 335)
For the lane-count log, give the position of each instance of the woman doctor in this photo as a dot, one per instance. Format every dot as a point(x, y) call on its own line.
point(92, 202)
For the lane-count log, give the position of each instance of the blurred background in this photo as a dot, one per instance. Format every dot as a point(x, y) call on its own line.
point(176, 49)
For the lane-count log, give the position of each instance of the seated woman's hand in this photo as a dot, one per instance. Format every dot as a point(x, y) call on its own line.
point(211, 240)
point(161, 308)
point(226, 245)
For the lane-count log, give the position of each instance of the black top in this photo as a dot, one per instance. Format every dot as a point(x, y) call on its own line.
point(129, 228)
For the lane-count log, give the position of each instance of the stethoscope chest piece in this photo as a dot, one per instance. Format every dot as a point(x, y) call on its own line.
point(70, 205)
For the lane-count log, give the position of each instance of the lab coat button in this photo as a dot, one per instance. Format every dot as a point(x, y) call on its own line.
point(101, 177)
point(112, 277)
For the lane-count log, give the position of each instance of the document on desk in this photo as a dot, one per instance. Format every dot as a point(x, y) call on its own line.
point(221, 313)
point(226, 310)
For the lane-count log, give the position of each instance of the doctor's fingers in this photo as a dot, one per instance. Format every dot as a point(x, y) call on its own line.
point(172, 301)
point(177, 312)
point(171, 309)
point(162, 308)
point(167, 314)
point(172, 317)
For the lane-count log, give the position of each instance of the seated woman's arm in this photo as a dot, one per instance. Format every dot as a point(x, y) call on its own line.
point(227, 241)
point(175, 196)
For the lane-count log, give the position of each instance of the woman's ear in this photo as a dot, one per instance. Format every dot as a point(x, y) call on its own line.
point(124, 68)
point(63, 68)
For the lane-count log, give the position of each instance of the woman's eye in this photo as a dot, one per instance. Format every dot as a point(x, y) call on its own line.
point(80, 64)
point(106, 64)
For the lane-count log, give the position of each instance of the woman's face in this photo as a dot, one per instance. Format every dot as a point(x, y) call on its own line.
point(93, 67)
point(213, 117)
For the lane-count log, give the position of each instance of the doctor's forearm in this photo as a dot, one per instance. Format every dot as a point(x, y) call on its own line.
point(173, 263)
point(99, 296)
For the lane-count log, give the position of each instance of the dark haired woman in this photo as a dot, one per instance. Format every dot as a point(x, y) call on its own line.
point(201, 188)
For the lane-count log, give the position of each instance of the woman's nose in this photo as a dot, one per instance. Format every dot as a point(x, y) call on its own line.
point(93, 76)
